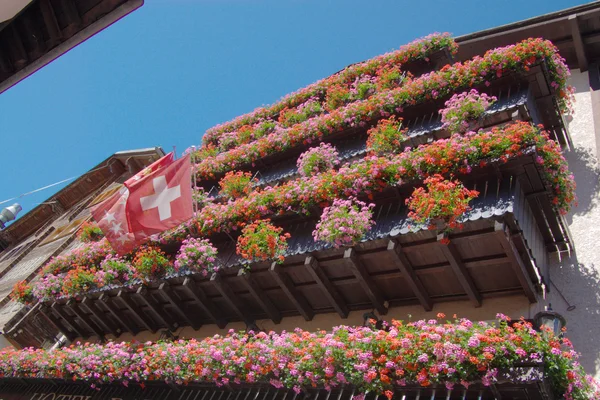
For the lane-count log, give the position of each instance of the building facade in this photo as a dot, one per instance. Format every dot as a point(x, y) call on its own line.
point(516, 252)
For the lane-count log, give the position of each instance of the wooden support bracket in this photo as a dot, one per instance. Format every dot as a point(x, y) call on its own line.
point(167, 292)
point(68, 320)
point(291, 292)
point(204, 302)
point(259, 295)
point(117, 314)
point(231, 298)
point(366, 282)
point(460, 270)
point(85, 319)
point(408, 273)
point(335, 299)
point(101, 319)
point(136, 311)
point(157, 309)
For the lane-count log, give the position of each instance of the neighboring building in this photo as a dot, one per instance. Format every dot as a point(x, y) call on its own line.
point(515, 254)
point(35, 32)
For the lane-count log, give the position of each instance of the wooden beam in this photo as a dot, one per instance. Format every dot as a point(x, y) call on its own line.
point(47, 313)
point(74, 307)
point(101, 319)
point(582, 60)
point(231, 298)
point(335, 299)
point(162, 317)
point(69, 9)
point(118, 314)
point(136, 311)
point(291, 292)
point(516, 262)
point(166, 290)
point(68, 320)
point(19, 55)
point(366, 282)
point(259, 295)
point(460, 270)
point(409, 275)
point(54, 33)
point(204, 302)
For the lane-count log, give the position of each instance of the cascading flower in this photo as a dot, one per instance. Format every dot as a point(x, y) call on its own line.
point(386, 137)
point(422, 353)
point(464, 107)
point(441, 200)
point(197, 255)
point(345, 222)
point(261, 241)
point(306, 110)
point(318, 159)
point(47, 287)
point(151, 263)
point(78, 280)
point(114, 269)
point(22, 292)
point(236, 184)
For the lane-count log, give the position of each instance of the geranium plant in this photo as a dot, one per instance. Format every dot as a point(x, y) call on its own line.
point(451, 354)
point(441, 200)
point(306, 110)
point(386, 137)
point(261, 241)
point(90, 232)
point(22, 292)
point(114, 269)
point(236, 184)
point(345, 222)
point(197, 255)
point(48, 287)
point(78, 280)
point(318, 159)
point(464, 107)
point(337, 96)
point(151, 263)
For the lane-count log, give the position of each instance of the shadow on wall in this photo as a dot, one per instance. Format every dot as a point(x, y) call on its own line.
point(580, 284)
point(584, 166)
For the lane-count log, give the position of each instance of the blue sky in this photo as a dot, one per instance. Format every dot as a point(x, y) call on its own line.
point(164, 74)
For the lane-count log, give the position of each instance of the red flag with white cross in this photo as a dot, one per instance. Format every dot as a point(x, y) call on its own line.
point(161, 199)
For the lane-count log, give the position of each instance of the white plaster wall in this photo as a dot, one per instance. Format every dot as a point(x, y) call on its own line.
point(577, 275)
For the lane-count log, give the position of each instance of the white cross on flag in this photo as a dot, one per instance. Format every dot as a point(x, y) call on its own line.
point(155, 199)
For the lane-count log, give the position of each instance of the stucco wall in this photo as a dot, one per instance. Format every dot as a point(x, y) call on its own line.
point(577, 275)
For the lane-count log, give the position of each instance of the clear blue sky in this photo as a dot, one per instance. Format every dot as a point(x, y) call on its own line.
point(164, 74)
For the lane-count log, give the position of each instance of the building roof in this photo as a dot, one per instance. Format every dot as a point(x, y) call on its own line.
point(35, 32)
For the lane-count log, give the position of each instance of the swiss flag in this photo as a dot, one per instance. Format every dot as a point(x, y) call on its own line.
point(155, 199)
point(161, 199)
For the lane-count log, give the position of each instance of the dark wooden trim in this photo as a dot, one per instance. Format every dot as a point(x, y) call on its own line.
point(68, 320)
point(62, 328)
point(74, 307)
point(288, 287)
point(107, 301)
point(335, 298)
point(231, 298)
point(166, 290)
point(136, 311)
point(460, 270)
point(259, 295)
point(50, 22)
point(366, 282)
point(157, 309)
point(408, 273)
point(582, 60)
point(101, 319)
point(204, 302)
point(516, 261)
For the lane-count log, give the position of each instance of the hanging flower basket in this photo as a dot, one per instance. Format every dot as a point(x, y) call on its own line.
point(261, 241)
point(386, 137)
point(197, 255)
point(344, 223)
point(440, 203)
point(463, 109)
point(151, 263)
point(318, 159)
point(236, 184)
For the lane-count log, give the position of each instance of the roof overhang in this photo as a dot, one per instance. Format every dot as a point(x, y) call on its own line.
point(41, 31)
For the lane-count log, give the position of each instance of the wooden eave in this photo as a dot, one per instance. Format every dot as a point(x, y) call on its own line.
point(46, 29)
